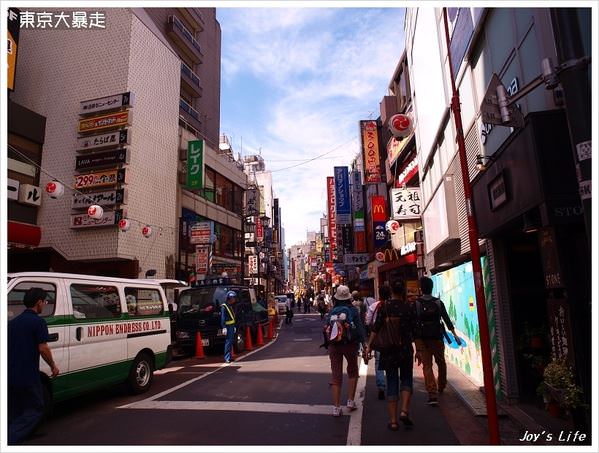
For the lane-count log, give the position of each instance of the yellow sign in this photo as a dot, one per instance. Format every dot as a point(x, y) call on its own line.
point(13, 40)
point(110, 121)
point(370, 148)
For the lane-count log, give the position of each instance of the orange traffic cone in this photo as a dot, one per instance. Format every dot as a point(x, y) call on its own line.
point(248, 339)
point(199, 347)
point(259, 338)
point(270, 334)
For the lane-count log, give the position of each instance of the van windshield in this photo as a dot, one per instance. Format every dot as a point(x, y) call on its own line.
point(202, 300)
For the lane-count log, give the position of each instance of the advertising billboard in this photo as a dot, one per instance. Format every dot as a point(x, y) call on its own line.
point(342, 198)
point(370, 151)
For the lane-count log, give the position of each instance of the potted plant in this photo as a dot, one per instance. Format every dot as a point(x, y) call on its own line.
point(558, 388)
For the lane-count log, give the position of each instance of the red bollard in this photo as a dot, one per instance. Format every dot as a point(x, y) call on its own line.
point(248, 339)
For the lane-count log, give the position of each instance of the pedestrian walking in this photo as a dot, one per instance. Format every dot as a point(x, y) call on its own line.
point(307, 304)
point(227, 322)
point(321, 306)
point(344, 334)
point(27, 340)
point(395, 323)
point(288, 310)
point(384, 295)
point(429, 311)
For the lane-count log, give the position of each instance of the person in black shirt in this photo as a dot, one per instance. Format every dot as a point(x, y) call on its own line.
point(398, 361)
point(430, 310)
point(27, 340)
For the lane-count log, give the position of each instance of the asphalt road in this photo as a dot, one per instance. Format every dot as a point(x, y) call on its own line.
point(275, 395)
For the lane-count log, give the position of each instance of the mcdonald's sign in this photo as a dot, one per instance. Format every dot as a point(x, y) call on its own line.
point(379, 208)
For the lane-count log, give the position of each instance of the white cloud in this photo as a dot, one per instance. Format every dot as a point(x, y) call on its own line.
point(326, 70)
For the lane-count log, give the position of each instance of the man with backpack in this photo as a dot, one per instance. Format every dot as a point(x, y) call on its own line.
point(429, 311)
point(344, 333)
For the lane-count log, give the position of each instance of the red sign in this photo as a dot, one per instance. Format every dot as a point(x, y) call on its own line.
point(379, 208)
point(407, 172)
point(331, 210)
point(259, 230)
point(360, 241)
point(370, 149)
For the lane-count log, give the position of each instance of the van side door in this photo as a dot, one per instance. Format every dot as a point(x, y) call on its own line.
point(97, 345)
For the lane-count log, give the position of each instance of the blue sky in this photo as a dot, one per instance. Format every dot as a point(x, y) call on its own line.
point(295, 83)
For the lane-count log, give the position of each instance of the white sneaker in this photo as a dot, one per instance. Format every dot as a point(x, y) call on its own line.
point(336, 411)
point(351, 405)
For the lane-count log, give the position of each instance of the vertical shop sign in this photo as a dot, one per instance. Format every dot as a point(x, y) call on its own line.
point(379, 217)
point(14, 23)
point(195, 164)
point(356, 191)
point(202, 259)
point(370, 152)
point(560, 330)
point(342, 199)
point(332, 220)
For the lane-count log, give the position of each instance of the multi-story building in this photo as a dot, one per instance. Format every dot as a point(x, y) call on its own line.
point(535, 254)
point(167, 62)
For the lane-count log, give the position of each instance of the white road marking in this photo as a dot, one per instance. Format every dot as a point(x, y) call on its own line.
point(354, 431)
point(303, 339)
point(235, 406)
point(191, 381)
point(168, 370)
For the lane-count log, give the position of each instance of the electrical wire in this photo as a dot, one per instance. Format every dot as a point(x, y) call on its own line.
point(316, 157)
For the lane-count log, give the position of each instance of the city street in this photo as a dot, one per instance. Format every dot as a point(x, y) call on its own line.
point(275, 395)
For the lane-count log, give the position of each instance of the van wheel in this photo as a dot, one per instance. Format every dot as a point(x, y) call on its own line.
point(141, 374)
point(239, 344)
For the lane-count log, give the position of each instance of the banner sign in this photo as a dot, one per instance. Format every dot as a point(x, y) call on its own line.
point(259, 230)
point(408, 171)
point(395, 147)
point(370, 150)
point(108, 198)
point(201, 233)
point(107, 103)
point(195, 164)
point(252, 264)
point(84, 221)
point(29, 194)
point(101, 179)
point(342, 199)
point(12, 191)
point(105, 159)
point(111, 139)
point(251, 201)
point(202, 261)
point(356, 191)
point(331, 213)
point(109, 121)
point(14, 25)
point(355, 259)
point(405, 203)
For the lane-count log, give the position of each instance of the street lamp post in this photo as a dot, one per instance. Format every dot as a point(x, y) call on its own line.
point(481, 306)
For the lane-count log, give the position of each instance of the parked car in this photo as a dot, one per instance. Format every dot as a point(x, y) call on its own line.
point(199, 311)
point(281, 303)
point(103, 330)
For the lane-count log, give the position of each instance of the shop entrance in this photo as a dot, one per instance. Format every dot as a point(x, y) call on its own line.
point(529, 311)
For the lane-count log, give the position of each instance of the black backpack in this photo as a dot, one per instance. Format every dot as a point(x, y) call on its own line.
point(429, 329)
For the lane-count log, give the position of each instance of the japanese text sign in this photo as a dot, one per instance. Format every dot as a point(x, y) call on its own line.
point(370, 149)
point(107, 103)
point(195, 164)
point(100, 179)
point(331, 213)
point(201, 233)
point(342, 199)
point(405, 203)
point(111, 139)
point(110, 121)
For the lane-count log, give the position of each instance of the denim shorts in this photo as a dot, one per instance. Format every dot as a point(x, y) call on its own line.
point(400, 378)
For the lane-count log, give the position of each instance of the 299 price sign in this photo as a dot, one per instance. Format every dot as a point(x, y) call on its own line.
point(100, 179)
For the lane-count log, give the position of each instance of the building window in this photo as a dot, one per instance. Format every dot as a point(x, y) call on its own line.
point(209, 184)
point(224, 192)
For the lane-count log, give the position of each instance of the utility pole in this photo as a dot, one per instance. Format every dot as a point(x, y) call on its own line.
point(481, 306)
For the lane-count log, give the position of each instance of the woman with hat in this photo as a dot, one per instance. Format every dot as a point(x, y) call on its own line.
point(345, 348)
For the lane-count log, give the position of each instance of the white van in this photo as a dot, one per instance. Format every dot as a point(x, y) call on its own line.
point(103, 330)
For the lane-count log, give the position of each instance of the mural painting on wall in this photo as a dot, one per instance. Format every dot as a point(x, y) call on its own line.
point(455, 287)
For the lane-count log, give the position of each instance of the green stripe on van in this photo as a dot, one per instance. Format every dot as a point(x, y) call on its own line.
point(73, 384)
point(65, 320)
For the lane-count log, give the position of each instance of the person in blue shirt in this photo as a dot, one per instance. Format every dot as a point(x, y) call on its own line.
point(227, 323)
point(27, 340)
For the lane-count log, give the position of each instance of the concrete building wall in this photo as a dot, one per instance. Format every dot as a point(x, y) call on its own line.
point(65, 66)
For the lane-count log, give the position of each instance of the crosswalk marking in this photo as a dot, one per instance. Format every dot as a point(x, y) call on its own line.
point(234, 406)
point(168, 370)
